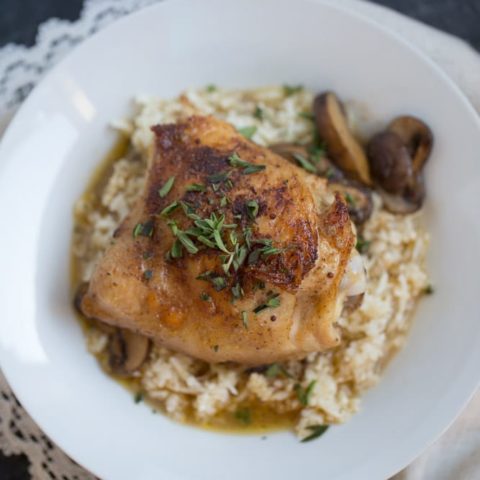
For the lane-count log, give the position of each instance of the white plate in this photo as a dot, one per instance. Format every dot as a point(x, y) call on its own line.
point(59, 135)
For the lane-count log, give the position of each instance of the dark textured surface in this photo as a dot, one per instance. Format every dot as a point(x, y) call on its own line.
point(19, 20)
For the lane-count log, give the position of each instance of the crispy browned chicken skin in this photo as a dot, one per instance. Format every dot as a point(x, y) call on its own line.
point(291, 245)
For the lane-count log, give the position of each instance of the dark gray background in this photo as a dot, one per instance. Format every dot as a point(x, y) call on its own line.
point(19, 20)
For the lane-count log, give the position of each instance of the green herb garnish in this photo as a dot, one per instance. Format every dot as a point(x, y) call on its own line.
point(163, 192)
point(273, 301)
point(289, 90)
point(350, 200)
point(317, 431)
point(223, 201)
point(247, 132)
point(243, 415)
point(210, 88)
point(237, 291)
point(304, 394)
point(248, 168)
point(196, 187)
point(176, 250)
point(218, 177)
point(252, 209)
point(258, 113)
point(275, 370)
point(304, 163)
point(182, 237)
point(245, 319)
point(169, 209)
point(362, 244)
point(205, 297)
point(143, 229)
point(307, 116)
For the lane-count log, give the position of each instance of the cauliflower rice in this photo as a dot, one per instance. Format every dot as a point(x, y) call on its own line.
point(187, 388)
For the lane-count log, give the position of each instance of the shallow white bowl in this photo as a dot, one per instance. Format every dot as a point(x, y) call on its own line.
point(60, 134)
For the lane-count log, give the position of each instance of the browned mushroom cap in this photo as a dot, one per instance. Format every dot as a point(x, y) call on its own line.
point(416, 136)
point(358, 199)
point(301, 155)
point(390, 162)
point(342, 147)
point(127, 351)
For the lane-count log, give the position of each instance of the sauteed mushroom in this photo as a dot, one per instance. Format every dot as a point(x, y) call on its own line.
point(397, 157)
point(342, 146)
point(127, 351)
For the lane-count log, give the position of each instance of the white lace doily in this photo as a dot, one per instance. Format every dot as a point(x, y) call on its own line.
point(20, 70)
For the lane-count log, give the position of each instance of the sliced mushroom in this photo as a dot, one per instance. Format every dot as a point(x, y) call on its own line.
point(358, 198)
point(397, 157)
point(416, 136)
point(342, 147)
point(127, 351)
point(294, 153)
point(390, 162)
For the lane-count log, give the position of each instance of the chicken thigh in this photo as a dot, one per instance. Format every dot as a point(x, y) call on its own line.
point(231, 254)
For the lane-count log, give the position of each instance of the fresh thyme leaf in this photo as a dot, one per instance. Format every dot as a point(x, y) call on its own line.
point(206, 241)
point(176, 250)
point(247, 235)
point(237, 291)
point(218, 177)
point(169, 209)
point(289, 90)
point(258, 113)
point(304, 163)
point(245, 319)
point(243, 415)
point(248, 168)
point(350, 200)
point(223, 201)
point(196, 187)
point(307, 116)
point(317, 431)
point(254, 256)
point(316, 153)
point(304, 394)
point(210, 88)
point(163, 192)
point(252, 209)
point(275, 370)
point(219, 241)
point(205, 297)
point(143, 229)
point(138, 397)
point(273, 301)
point(429, 290)
point(247, 132)
point(362, 244)
point(148, 274)
point(218, 283)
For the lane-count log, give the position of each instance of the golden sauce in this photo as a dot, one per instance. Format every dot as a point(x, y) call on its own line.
point(253, 417)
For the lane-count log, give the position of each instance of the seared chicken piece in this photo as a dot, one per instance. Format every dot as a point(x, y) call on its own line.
point(231, 254)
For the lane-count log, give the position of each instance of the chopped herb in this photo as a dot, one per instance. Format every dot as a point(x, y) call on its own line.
point(169, 209)
point(304, 394)
point(245, 319)
point(215, 348)
point(252, 209)
point(223, 201)
point(211, 88)
point(237, 291)
point(176, 251)
point(236, 161)
point(254, 256)
point(273, 301)
point(196, 187)
point(289, 90)
point(317, 152)
point(429, 290)
point(247, 132)
point(183, 238)
point(148, 274)
point(259, 285)
point(362, 244)
point(138, 397)
point(205, 297)
point(258, 113)
point(163, 192)
point(350, 200)
point(218, 282)
point(218, 177)
point(304, 163)
point(307, 116)
point(143, 229)
point(317, 431)
point(243, 415)
point(275, 370)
